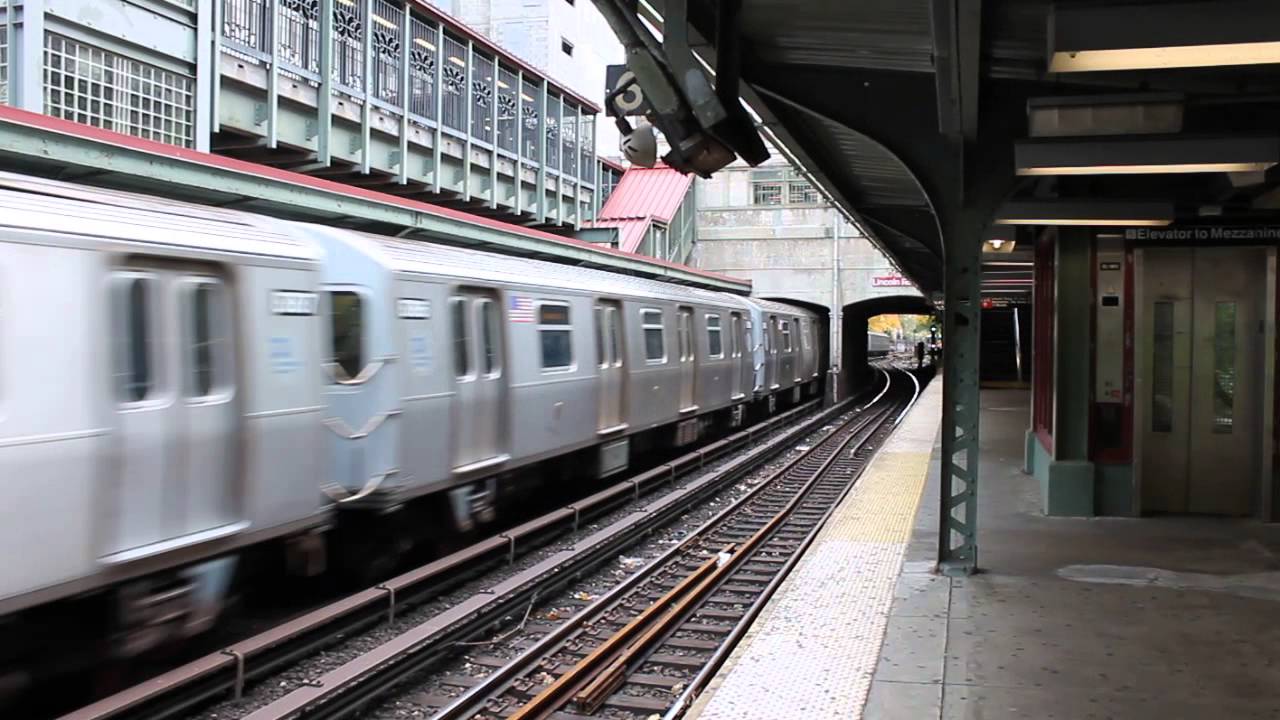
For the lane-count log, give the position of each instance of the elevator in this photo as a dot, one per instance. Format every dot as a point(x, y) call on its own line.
point(1203, 376)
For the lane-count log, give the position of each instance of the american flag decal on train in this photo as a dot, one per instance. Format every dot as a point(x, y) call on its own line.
point(520, 309)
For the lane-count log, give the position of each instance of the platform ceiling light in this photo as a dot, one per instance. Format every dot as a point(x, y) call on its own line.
point(1141, 156)
point(1092, 213)
point(1103, 38)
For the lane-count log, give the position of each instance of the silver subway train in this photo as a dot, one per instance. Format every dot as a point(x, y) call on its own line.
point(187, 392)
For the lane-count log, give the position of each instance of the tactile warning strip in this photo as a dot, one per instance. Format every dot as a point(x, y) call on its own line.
point(813, 650)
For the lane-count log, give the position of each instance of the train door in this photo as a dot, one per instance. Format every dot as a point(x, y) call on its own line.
point(609, 361)
point(1203, 370)
point(688, 358)
point(736, 337)
point(175, 421)
point(479, 408)
point(770, 354)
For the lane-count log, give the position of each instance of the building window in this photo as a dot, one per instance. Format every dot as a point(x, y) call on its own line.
point(346, 318)
point(782, 187)
point(715, 345)
point(767, 192)
point(651, 322)
point(566, 47)
point(556, 336)
point(800, 192)
point(95, 87)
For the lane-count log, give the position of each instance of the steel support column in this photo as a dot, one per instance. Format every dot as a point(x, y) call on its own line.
point(324, 100)
point(208, 55)
point(518, 168)
point(958, 516)
point(437, 143)
point(366, 86)
point(469, 100)
point(406, 34)
point(26, 55)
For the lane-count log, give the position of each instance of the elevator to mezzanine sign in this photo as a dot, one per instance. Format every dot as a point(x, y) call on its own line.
point(1204, 232)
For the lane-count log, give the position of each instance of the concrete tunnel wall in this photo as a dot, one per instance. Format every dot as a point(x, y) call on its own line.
point(856, 374)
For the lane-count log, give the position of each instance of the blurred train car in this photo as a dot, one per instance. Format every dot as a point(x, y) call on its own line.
point(879, 345)
point(191, 395)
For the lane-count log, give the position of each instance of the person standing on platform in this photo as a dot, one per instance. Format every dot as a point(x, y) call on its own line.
point(919, 355)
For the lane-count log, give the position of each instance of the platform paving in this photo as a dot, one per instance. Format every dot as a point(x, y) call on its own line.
point(1161, 618)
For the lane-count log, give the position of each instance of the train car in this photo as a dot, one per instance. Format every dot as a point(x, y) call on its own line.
point(532, 362)
point(158, 411)
point(879, 345)
point(189, 395)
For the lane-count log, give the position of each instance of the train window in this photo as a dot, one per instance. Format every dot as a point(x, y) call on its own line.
point(795, 332)
point(615, 337)
point(651, 322)
point(346, 317)
point(804, 334)
point(207, 336)
point(785, 327)
point(735, 335)
point(458, 318)
point(556, 336)
point(715, 346)
point(601, 359)
point(489, 325)
point(134, 380)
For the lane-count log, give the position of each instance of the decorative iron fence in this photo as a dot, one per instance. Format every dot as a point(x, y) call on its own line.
point(411, 74)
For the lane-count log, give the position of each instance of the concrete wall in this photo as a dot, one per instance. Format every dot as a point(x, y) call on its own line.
point(786, 251)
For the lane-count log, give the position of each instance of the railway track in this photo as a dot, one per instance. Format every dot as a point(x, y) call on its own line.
point(230, 671)
point(646, 646)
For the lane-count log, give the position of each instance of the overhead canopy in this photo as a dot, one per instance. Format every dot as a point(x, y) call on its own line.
point(909, 110)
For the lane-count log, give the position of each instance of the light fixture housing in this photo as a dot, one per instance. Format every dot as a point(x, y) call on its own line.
point(1102, 38)
point(1142, 156)
point(1089, 213)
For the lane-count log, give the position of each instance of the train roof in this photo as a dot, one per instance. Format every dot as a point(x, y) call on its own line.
point(53, 206)
point(426, 258)
point(775, 306)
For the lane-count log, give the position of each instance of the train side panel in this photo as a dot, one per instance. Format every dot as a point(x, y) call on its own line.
point(52, 430)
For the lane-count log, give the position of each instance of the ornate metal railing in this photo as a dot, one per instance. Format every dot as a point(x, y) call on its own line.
point(432, 73)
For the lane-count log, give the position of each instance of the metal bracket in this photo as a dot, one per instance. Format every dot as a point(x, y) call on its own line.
point(391, 607)
point(238, 691)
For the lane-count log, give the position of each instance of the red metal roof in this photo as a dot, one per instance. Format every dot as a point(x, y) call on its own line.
point(653, 193)
point(16, 116)
point(642, 196)
point(630, 232)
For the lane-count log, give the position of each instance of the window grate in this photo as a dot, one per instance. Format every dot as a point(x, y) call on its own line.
point(530, 109)
point(348, 45)
point(482, 98)
point(247, 23)
point(508, 109)
point(95, 87)
point(554, 107)
point(297, 32)
point(454, 82)
point(388, 50)
point(422, 69)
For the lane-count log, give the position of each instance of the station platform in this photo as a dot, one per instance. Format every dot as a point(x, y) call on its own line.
point(1162, 617)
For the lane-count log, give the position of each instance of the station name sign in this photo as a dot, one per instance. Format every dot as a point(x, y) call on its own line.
point(889, 281)
point(1204, 232)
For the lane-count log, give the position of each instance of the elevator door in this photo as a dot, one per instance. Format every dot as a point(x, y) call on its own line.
point(1201, 378)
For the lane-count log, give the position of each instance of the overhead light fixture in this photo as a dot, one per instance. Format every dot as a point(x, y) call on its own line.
point(1146, 156)
point(1101, 38)
point(1088, 213)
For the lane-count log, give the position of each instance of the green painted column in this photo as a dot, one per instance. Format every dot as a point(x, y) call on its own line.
point(1068, 485)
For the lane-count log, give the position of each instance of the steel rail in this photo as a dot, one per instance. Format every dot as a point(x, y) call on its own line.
point(590, 682)
point(229, 670)
point(473, 699)
point(349, 686)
